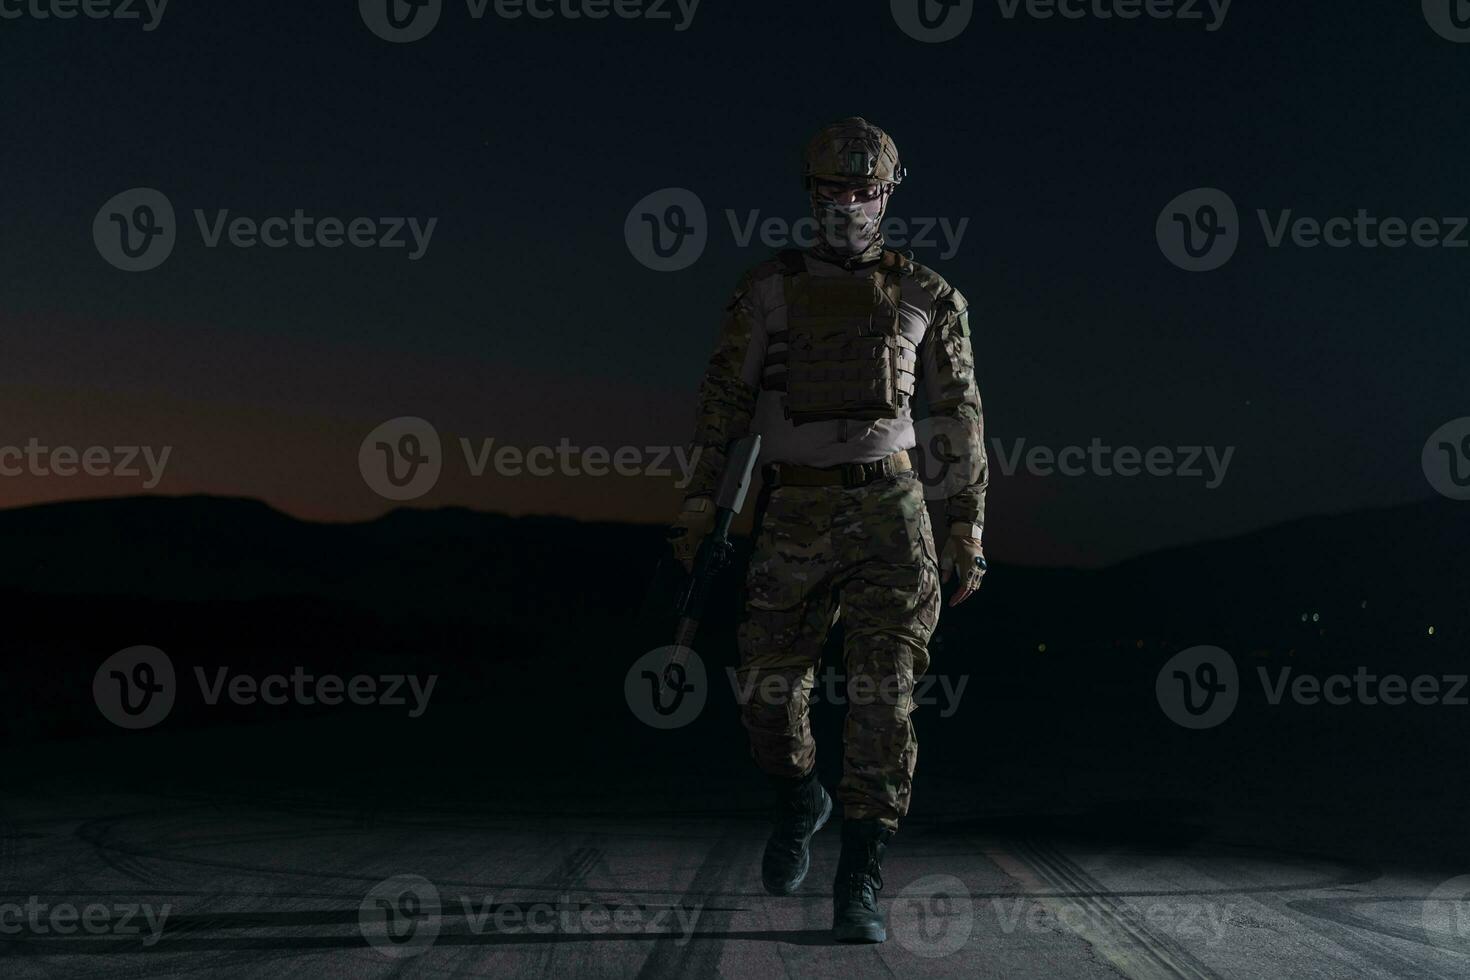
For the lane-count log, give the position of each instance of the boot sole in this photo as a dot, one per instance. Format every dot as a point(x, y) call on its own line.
point(850, 933)
point(785, 887)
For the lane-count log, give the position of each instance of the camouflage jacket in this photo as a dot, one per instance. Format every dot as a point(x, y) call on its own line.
point(732, 402)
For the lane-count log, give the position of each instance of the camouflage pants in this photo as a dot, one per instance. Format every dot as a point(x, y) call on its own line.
point(866, 554)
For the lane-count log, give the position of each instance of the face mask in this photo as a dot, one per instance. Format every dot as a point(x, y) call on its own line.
point(849, 229)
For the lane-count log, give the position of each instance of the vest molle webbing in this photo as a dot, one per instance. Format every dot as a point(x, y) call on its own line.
point(843, 354)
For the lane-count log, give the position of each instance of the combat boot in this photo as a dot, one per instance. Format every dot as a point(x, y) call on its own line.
point(855, 914)
point(802, 807)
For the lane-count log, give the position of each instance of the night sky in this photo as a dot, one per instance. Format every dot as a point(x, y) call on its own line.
point(529, 320)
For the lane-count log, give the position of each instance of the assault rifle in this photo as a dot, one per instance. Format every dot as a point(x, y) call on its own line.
point(715, 552)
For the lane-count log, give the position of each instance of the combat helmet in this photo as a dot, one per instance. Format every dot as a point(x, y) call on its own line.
point(852, 149)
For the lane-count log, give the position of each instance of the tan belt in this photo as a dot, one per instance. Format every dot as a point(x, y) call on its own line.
point(843, 475)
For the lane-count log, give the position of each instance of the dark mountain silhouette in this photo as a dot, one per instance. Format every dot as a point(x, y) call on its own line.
point(471, 564)
point(451, 562)
point(530, 625)
point(532, 580)
point(231, 578)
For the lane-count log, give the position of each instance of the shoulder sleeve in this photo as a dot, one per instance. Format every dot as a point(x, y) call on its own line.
point(727, 395)
point(951, 389)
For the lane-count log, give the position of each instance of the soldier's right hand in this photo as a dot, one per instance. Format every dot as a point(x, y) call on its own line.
point(695, 522)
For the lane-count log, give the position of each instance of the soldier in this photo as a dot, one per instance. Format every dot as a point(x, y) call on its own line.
point(821, 352)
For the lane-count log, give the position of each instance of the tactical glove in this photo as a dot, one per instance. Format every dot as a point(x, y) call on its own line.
point(963, 552)
point(695, 522)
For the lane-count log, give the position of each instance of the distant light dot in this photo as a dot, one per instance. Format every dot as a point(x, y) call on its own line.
point(1304, 617)
point(1315, 617)
point(1041, 647)
point(1431, 631)
point(1140, 644)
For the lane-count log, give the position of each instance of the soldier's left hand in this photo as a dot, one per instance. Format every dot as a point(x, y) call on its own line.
point(964, 554)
